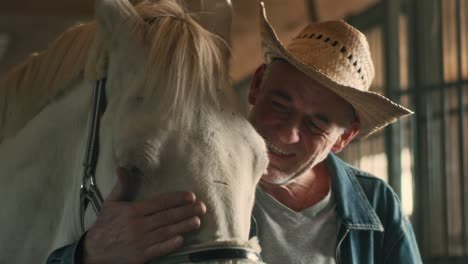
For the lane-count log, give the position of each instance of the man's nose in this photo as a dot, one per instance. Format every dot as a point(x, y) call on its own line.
point(289, 131)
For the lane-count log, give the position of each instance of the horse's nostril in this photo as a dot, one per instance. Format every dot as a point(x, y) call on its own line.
point(134, 184)
point(135, 171)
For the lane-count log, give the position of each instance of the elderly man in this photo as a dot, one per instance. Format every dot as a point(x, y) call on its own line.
point(309, 102)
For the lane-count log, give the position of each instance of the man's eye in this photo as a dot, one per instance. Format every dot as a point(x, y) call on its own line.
point(312, 126)
point(279, 106)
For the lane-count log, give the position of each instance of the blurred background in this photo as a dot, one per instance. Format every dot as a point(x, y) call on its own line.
point(420, 51)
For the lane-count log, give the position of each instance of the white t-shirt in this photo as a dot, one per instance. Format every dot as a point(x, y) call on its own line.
point(286, 236)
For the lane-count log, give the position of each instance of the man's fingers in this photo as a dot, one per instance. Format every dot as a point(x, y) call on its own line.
point(163, 248)
point(174, 215)
point(167, 232)
point(165, 201)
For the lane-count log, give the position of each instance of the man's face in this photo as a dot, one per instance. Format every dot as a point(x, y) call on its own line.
point(300, 120)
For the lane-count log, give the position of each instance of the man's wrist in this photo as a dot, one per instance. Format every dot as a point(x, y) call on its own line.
point(69, 254)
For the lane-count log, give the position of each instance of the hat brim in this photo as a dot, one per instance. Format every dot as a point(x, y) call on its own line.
point(374, 110)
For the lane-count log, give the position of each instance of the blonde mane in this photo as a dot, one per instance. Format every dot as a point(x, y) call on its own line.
point(27, 88)
point(183, 58)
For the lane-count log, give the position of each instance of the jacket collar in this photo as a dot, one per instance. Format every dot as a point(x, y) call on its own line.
point(353, 207)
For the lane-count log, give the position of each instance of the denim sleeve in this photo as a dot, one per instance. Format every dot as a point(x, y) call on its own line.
point(406, 249)
point(69, 254)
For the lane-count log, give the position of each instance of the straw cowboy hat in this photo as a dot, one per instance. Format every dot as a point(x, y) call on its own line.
point(336, 55)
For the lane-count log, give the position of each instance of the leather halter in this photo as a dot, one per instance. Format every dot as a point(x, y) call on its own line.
point(211, 254)
point(89, 191)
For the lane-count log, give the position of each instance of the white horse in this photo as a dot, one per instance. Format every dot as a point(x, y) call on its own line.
point(168, 117)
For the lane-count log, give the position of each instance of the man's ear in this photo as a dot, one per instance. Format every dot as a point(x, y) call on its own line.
point(348, 135)
point(255, 84)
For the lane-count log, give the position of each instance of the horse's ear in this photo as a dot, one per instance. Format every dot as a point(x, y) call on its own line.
point(115, 16)
point(115, 20)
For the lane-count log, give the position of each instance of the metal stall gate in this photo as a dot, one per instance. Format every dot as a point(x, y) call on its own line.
point(420, 49)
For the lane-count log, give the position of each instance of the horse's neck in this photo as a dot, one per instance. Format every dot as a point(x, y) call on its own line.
point(40, 176)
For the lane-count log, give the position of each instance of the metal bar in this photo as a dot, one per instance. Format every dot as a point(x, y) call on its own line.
point(447, 85)
point(392, 80)
point(312, 10)
point(433, 167)
point(424, 61)
point(461, 139)
point(452, 112)
point(368, 18)
point(443, 132)
point(419, 141)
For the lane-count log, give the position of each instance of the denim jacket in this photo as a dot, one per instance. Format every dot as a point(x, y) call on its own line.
point(373, 227)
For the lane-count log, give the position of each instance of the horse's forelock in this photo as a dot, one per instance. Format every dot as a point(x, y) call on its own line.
point(184, 63)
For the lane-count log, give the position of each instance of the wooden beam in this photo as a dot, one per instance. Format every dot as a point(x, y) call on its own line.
point(55, 8)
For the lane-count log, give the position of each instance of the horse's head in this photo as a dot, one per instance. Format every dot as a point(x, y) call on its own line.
point(169, 119)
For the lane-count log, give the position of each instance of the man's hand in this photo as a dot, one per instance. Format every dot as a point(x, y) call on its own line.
point(136, 232)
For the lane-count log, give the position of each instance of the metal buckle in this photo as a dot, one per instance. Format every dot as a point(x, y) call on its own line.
point(88, 195)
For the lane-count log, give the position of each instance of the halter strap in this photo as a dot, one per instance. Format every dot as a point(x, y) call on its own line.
point(211, 254)
point(89, 191)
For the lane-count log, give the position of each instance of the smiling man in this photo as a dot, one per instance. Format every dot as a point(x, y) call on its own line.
point(294, 115)
point(309, 101)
